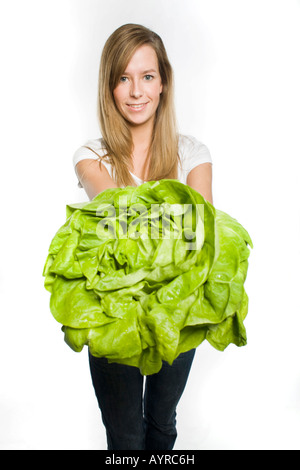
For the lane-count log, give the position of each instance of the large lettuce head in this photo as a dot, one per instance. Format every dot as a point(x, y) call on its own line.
point(142, 274)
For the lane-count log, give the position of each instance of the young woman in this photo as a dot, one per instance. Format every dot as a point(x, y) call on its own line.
point(139, 143)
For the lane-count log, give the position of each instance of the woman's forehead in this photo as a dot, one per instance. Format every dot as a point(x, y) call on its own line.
point(143, 60)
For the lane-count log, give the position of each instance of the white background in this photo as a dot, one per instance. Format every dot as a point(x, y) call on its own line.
point(237, 72)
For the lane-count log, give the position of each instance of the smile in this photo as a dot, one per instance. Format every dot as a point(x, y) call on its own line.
point(137, 107)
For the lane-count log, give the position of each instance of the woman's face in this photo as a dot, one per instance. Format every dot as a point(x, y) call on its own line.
point(137, 94)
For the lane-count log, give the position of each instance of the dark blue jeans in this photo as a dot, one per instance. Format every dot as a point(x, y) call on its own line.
point(138, 418)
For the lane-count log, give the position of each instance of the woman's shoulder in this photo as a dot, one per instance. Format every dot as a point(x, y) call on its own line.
point(189, 143)
point(93, 148)
point(192, 150)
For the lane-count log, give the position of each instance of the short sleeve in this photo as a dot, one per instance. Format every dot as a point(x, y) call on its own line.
point(93, 149)
point(88, 150)
point(192, 153)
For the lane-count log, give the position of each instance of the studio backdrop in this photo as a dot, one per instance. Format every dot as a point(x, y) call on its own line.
point(237, 75)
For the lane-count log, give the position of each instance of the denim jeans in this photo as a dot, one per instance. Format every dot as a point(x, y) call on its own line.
point(138, 417)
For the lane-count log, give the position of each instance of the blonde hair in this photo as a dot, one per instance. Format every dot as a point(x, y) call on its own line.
point(163, 152)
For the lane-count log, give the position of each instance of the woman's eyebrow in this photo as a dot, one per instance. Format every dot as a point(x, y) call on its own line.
point(150, 70)
point(144, 72)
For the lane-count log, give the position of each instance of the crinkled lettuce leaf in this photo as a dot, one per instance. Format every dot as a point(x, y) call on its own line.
point(142, 274)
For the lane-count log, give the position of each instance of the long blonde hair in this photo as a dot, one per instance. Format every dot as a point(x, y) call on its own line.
point(163, 152)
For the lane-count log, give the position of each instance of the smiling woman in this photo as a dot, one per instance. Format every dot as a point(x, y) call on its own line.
point(140, 143)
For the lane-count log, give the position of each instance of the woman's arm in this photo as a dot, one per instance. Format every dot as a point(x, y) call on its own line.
point(93, 178)
point(200, 179)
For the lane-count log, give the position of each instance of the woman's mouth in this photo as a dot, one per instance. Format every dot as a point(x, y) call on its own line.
point(137, 107)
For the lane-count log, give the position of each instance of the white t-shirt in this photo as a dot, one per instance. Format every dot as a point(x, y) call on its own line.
point(191, 153)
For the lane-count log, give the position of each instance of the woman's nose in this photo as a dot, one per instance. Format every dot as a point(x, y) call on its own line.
point(136, 89)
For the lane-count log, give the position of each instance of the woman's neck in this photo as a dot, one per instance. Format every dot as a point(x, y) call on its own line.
point(141, 138)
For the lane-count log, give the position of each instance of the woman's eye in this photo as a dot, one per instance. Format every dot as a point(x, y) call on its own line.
point(146, 77)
